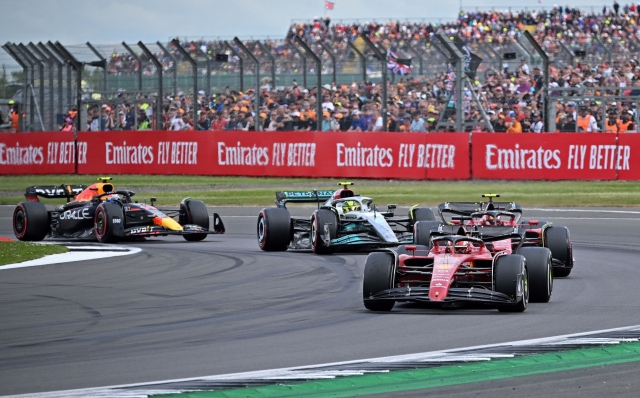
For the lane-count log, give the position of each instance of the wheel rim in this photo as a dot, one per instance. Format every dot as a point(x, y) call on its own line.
point(525, 282)
point(19, 222)
point(261, 230)
point(313, 233)
point(550, 278)
point(100, 224)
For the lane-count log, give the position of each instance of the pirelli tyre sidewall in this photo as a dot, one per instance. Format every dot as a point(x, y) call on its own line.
point(107, 221)
point(422, 232)
point(30, 221)
point(319, 219)
point(511, 278)
point(273, 229)
point(196, 214)
point(379, 275)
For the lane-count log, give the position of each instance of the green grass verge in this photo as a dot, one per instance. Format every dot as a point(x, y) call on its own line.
point(218, 191)
point(17, 252)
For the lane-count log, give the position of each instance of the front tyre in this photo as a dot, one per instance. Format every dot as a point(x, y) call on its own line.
point(422, 232)
point(510, 276)
point(319, 219)
point(274, 229)
point(196, 214)
point(107, 216)
point(557, 239)
point(379, 275)
point(30, 221)
point(540, 273)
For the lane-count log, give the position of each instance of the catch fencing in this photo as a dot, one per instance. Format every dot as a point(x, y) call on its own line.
point(415, 156)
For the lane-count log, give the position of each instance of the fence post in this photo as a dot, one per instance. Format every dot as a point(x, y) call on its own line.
point(208, 60)
point(138, 60)
point(362, 59)
point(304, 64)
point(333, 60)
point(174, 69)
point(39, 102)
point(272, 59)
point(104, 70)
point(240, 60)
point(60, 65)
point(381, 54)
point(25, 67)
point(160, 98)
point(44, 59)
point(319, 81)
point(194, 66)
point(545, 77)
point(256, 109)
point(77, 66)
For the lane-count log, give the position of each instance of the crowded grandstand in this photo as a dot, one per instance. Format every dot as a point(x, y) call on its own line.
point(593, 79)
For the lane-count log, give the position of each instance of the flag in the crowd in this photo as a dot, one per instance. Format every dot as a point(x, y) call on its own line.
point(328, 5)
point(470, 60)
point(400, 66)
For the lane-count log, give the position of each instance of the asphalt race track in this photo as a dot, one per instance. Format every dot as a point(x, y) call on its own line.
point(180, 309)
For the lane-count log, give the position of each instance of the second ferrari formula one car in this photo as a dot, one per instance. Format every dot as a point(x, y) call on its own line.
point(538, 233)
point(495, 270)
point(100, 212)
point(345, 221)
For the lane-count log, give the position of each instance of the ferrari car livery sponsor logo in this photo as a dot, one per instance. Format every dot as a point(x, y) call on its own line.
point(76, 214)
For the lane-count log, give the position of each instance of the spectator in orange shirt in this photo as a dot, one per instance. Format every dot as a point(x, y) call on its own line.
point(513, 125)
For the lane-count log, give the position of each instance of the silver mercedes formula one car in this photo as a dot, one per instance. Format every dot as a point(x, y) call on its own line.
point(343, 221)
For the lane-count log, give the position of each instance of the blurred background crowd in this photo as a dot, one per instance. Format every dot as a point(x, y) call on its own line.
point(594, 71)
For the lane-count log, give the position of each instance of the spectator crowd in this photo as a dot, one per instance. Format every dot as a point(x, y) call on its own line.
point(595, 91)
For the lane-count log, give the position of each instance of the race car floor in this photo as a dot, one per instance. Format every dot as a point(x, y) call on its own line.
point(179, 309)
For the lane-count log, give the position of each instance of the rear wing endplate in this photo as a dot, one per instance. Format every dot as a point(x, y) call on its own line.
point(53, 192)
point(314, 196)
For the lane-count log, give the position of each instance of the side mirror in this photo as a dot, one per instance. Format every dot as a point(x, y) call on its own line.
point(152, 200)
point(533, 222)
point(391, 208)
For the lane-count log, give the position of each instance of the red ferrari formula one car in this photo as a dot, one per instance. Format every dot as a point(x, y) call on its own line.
point(537, 233)
point(100, 212)
point(494, 270)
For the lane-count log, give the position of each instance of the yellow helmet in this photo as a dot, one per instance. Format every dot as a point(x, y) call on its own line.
point(350, 205)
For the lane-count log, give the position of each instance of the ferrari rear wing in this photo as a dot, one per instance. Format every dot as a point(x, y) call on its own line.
point(53, 192)
point(462, 210)
point(313, 196)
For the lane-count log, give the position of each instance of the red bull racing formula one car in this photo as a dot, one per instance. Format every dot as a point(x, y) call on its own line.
point(100, 212)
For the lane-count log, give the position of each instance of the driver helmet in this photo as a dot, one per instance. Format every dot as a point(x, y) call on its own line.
point(112, 198)
point(350, 205)
point(488, 219)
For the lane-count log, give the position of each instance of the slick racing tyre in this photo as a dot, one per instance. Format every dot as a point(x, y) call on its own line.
point(421, 214)
point(274, 229)
point(379, 275)
point(540, 273)
point(510, 276)
point(30, 221)
point(422, 232)
point(107, 214)
point(196, 214)
point(557, 239)
point(319, 219)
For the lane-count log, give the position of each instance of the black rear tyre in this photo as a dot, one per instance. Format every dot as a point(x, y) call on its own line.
point(379, 275)
point(196, 214)
point(30, 221)
point(558, 240)
point(319, 219)
point(104, 224)
point(422, 214)
point(274, 229)
point(422, 232)
point(510, 276)
point(540, 273)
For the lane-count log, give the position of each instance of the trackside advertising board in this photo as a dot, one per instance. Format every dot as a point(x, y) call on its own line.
point(566, 156)
point(39, 153)
point(439, 156)
point(281, 154)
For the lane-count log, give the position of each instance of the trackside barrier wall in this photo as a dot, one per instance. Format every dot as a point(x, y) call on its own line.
point(418, 156)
